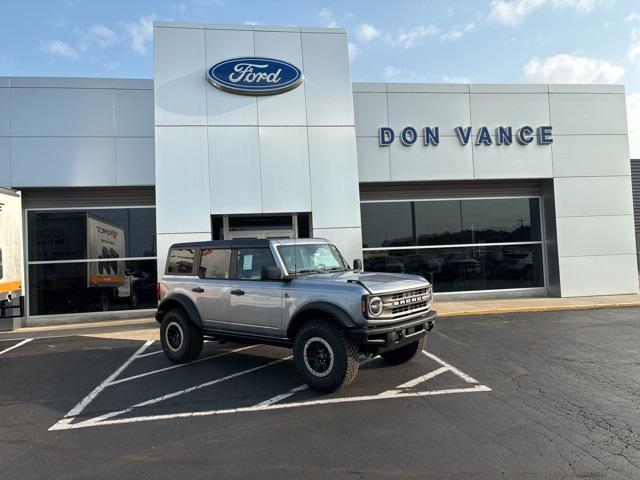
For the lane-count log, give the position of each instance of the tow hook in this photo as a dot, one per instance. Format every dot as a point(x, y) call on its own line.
point(430, 325)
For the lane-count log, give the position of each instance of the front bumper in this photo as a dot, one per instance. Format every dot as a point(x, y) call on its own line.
point(395, 334)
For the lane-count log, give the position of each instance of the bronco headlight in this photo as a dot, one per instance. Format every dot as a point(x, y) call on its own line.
point(375, 306)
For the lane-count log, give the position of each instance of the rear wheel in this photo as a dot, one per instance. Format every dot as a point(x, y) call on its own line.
point(404, 354)
point(181, 339)
point(325, 356)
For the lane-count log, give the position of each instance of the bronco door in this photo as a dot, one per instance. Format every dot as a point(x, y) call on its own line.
point(255, 304)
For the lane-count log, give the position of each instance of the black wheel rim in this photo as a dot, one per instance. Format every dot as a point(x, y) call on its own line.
point(174, 336)
point(318, 356)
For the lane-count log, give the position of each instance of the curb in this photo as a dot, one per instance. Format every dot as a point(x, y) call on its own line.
point(81, 326)
point(549, 308)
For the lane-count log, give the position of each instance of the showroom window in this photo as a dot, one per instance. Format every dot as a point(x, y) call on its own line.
point(458, 245)
point(91, 260)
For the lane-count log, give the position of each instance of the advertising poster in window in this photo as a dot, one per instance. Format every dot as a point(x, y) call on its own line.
point(105, 241)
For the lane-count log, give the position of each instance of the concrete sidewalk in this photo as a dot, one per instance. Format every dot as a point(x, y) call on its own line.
point(147, 328)
point(455, 308)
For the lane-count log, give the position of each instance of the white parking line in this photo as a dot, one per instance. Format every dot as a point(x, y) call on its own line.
point(149, 354)
point(279, 406)
point(26, 340)
point(66, 423)
point(172, 367)
point(416, 381)
point(162, 398)
point(75, 411)
point(452, 369)
point(282, 396)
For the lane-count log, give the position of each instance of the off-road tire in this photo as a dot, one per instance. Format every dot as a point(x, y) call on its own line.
point(176, 322)
point(344, 364)
point(404, 354)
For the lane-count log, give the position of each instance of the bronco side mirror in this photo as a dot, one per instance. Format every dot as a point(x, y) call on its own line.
point(273, 273)
point(357, 264)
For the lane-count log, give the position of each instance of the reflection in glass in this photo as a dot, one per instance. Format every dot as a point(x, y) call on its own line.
point(89, 234)
point(501, 220)
point(387, 224)
point(181, 261)
point(61, 288)
point(438, 222)
point(468, 268)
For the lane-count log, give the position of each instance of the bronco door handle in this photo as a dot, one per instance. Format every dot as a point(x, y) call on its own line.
point(197, 289)
point(237, 292)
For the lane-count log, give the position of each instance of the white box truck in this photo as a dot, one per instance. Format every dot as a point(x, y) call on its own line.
point(11, 257)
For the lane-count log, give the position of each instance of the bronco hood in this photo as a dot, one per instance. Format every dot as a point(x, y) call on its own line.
point(376, 282)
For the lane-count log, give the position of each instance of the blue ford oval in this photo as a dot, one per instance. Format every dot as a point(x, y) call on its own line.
point(254, 76)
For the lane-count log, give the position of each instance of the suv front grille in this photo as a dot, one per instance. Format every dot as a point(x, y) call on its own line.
point(408, 302)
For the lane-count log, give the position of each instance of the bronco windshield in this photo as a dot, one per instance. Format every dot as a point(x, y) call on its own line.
point(312, 257)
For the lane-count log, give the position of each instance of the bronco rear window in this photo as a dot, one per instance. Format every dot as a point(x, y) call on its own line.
point(181, 261)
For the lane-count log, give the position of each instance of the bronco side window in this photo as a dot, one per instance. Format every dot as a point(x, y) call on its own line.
point(214, 263)
point(250, 263)
point(181, 261)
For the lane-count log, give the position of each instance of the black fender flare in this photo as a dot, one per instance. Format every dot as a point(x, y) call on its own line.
point(176, 300)
point(336, 312)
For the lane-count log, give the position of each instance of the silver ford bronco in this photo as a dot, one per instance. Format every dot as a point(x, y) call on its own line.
point(292, 293)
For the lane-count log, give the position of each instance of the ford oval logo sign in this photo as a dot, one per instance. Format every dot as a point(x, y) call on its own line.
point(254, 76)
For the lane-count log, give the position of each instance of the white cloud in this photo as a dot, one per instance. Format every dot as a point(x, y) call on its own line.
point(60, 49)
point(252, 22)
point(448, 79)
point(366, 33)
point(632, 17)
point(570, 68)
point(457, 32)
point(354, 51)
point(140, 33)
point(633, 118)
point(413, 37)
point(101, 35)
point(395, 74)
point(634, 50)
point(512, 12)
point(325, 16)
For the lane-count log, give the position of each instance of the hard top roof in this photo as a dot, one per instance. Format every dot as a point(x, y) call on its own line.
point(248, 243)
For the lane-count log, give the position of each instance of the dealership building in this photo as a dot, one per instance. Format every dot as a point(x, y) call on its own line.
point(259, 132)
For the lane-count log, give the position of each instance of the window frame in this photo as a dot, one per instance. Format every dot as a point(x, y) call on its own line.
point(27, 262)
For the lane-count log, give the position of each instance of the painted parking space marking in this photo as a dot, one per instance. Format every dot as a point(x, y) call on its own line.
point(75, 418)
point(173, 367)
point(17, 345)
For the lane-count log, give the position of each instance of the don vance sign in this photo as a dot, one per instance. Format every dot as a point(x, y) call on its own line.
point(524, 135)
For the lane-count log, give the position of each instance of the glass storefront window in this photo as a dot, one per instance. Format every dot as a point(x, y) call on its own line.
point(514, 224)
point(59, 288)
point(500, 220)
point(388, 224)
point(466, 268)
point(106, 246)
point(81, 234)
point(438, 223)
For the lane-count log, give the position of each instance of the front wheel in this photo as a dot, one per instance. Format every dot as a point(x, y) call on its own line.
point(325, 356)
point(404, 354)
point(181, 339)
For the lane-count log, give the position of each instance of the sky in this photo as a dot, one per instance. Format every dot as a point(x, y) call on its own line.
point(467, 41)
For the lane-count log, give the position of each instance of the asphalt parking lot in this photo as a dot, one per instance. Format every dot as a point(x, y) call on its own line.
point(544, 395)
